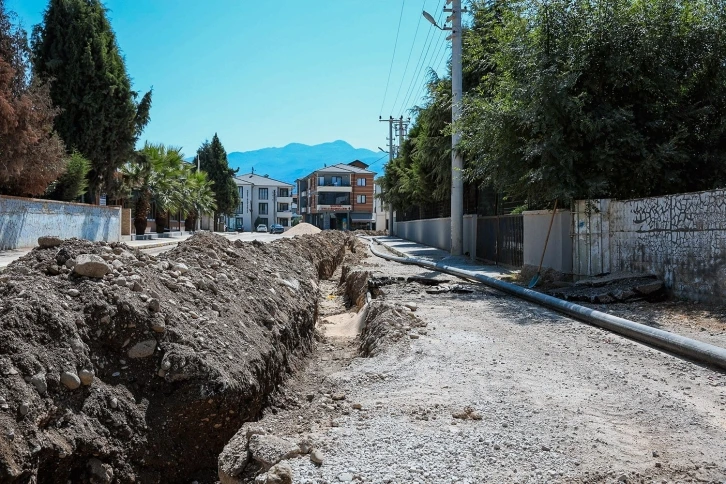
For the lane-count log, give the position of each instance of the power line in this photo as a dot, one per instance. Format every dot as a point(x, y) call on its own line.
point(418, 63)
point(379, 159)
point(422, 87)
point(398, 30)
point(422, 61)
point(403, 78)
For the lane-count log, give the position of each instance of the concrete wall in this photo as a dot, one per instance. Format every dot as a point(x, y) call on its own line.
point(558, 255)
point(681, 238)
point(23, 220)
point(591, 237)
point(436, 232)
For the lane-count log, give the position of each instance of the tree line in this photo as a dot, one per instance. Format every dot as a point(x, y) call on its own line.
point(568, 99)
point(70, 122)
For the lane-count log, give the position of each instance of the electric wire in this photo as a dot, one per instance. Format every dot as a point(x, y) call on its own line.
point(433, 66)
point(422, 62)
point(390, 69)
point(405, 69)
point(379, 159)
point(419, 63)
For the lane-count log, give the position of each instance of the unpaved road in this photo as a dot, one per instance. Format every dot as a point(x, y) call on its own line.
point(560, 401)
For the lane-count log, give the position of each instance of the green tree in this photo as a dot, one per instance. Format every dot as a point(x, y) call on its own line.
point(75, 50)
point(213, 160)
point(594, 98)
point(197, 196)
point(155, 174)
point(31, 154)
point(73, 183)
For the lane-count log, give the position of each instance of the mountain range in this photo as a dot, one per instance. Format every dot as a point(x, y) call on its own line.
point(297, 160)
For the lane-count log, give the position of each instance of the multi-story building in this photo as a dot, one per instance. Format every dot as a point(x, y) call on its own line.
point(338, 197)
point(380, 212)
point(263, 200)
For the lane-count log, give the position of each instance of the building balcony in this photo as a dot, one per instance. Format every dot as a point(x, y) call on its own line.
point(338, 189)
point(284, 199)
point(304, 193)
point(284, 214)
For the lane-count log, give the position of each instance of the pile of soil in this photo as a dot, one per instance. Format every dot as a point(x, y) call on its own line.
point(144, 373)
point(303, 229)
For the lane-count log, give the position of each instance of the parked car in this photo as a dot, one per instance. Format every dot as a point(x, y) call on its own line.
point(276, 229)
point(262, 228)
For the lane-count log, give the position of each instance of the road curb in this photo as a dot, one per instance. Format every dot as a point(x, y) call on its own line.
point(154, 246)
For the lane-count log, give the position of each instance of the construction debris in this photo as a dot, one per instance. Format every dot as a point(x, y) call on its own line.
point(612, 288)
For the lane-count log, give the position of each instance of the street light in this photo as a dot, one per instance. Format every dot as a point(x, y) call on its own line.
point(430, 18)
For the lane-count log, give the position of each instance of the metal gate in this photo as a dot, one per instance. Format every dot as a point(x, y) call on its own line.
point(500, 239)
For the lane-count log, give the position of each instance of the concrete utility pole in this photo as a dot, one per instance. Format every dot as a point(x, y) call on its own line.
point(457, 163)
point(399, 128)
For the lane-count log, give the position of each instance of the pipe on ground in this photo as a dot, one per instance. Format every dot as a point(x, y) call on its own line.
point(675, 343)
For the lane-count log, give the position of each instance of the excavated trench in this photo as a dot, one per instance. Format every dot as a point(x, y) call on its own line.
point(122, 367)
point(351, 324)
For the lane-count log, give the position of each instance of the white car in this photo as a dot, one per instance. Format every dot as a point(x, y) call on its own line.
point(262, 228)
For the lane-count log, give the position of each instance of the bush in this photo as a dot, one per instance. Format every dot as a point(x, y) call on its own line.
point(73, 182)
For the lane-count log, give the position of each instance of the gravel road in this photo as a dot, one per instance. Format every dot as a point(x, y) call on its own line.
point(553, 400)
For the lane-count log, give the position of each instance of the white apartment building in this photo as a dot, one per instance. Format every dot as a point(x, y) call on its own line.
point(380, 214)
point(263, 198)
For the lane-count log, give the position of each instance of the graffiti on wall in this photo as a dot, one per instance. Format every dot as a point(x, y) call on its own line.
point(682, 238)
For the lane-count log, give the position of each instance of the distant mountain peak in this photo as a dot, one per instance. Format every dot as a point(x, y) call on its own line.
point(297, 160)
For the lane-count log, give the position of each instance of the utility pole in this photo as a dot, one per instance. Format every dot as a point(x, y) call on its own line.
point(398, 128)
point(457, 163)
point(390, 158)
point(199, 215)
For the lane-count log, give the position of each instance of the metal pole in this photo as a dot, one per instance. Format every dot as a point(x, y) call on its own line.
point(199, 215)
point(457, 163)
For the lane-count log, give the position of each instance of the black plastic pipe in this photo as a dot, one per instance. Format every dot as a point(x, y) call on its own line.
point(675, 343)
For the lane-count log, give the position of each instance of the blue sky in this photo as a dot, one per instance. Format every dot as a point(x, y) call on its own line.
point(270, 73)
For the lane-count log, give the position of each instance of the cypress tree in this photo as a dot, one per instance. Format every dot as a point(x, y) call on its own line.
point(75, 49)
point(213, 160)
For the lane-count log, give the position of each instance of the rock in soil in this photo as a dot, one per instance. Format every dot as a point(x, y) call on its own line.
point(168, 390)
point(91, 265)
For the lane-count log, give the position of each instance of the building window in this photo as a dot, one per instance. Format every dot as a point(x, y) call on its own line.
point(361, 182)
point(263, 221)
point(283, 221)
point(283, 207)
point(360, 199)
point(337, 181)
point(321, 181)
point(284, 192)
point(263, 209)
point(263, 194)
point(241, 207)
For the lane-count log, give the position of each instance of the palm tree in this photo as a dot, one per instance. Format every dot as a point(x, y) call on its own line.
point(198, 197)
point(155, 175)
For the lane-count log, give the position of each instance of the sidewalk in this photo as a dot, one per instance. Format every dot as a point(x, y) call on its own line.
point(8, 256)
point(407, 248)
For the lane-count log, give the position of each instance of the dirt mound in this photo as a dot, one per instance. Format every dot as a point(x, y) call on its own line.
point(144, 373)
point(385, 324)
point(303, 229)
